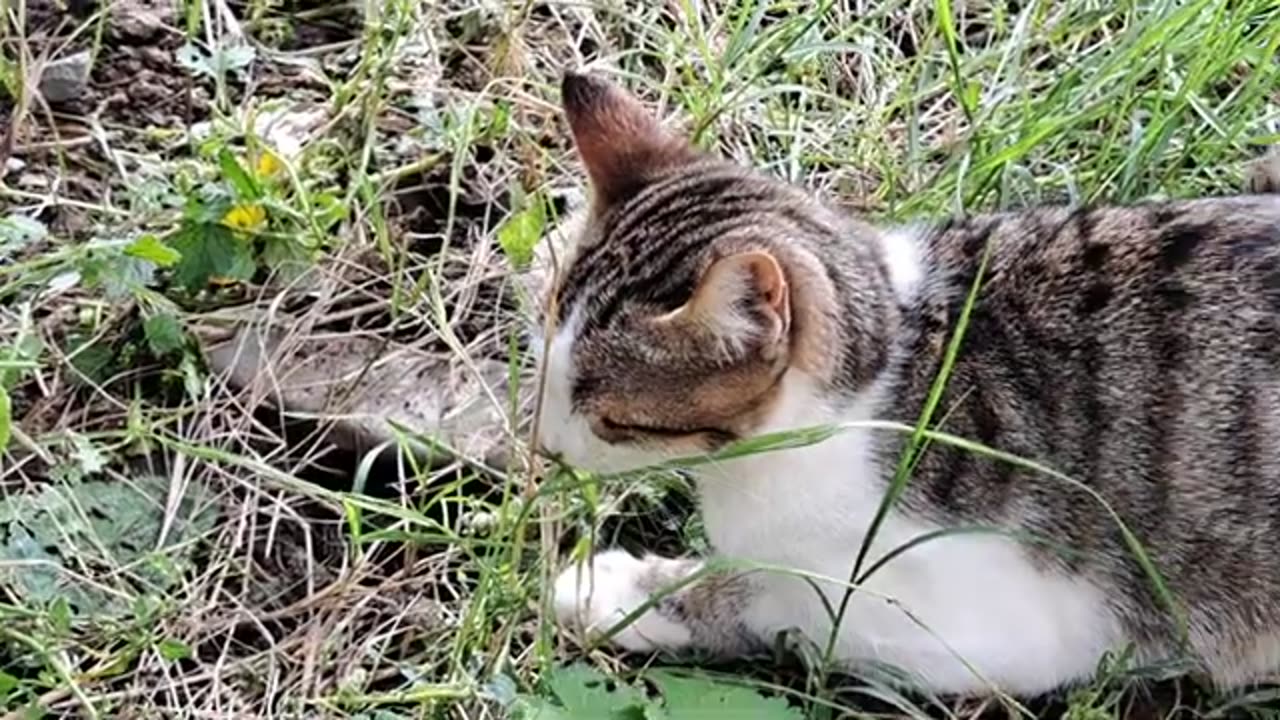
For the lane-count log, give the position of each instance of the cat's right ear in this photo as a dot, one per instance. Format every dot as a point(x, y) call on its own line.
point(742, 300)
point(621, 143)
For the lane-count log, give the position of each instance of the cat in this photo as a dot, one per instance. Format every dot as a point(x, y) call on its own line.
point(1135, 349)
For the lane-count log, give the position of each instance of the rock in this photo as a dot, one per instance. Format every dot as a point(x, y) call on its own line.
point(140, 20)
point(33, 181)
point(366, 388)
point(286, 130)
point(82, 8)
point(65, 79)
point(155, 57)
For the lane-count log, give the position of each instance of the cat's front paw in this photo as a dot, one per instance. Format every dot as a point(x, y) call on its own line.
point(594, 597)
point(1263, 174)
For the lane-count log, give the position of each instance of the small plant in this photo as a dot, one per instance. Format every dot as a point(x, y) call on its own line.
point(247, 219)
point(579, 692)
point(521, 232)
point(51, 538)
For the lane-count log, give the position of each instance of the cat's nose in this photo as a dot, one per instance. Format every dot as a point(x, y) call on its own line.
point(555, 459)
point(546, 451)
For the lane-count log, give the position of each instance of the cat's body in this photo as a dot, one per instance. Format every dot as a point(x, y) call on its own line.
point(1136, 350)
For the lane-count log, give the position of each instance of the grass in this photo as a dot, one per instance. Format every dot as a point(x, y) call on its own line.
point(171, 545)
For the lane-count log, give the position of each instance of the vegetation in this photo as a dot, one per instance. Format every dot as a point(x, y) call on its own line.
point(180, 536)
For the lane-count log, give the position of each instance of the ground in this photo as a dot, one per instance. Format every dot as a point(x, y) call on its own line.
point(184, 532)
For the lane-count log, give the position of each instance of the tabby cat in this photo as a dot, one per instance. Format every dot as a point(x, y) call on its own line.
point(1133, 349)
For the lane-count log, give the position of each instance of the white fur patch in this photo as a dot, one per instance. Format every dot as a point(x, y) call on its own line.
point(971, 598)
point(903, 257)
point(561, 430)
point(962, 614)
point(596, 596)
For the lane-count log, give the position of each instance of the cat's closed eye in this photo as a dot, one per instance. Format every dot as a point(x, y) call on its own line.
point(614, 431)
point(613, 426)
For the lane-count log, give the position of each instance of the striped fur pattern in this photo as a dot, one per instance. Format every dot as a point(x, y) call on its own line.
point(1135, 349)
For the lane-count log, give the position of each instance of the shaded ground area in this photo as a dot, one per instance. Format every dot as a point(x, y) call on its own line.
point(252, 251)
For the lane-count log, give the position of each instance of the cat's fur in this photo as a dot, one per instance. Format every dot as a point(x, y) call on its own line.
point(1136, 349)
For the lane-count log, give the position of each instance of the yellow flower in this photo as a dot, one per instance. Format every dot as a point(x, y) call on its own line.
point(245, 217)
point(268, 164)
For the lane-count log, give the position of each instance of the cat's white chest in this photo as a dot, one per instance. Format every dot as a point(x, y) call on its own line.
point(944, 609)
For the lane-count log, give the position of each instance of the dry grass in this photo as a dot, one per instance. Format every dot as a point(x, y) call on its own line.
point(279, 569)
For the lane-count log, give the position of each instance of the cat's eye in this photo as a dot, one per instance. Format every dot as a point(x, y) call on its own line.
point(614, 431)
point(617, 427)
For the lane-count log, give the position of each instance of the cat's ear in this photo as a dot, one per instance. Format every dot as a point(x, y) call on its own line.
point(743, 300)
point(621, 143)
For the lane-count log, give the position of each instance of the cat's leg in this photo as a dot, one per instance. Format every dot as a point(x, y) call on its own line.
point(1263, 174)
point(704, 615)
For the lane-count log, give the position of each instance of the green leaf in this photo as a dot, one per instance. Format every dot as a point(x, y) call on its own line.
point(210, 250)
point(328, 209)
point(192, 378)
point(18, 231)
point(9, 86)
point(117, 524)
point(6, 418)
point(521, 232)
point(8, 684)
point(60, 614)
point(173, 649)
point(702, 699)
point(118, 274)
point(285, 254)
point(164, 334)
point(32, 570)
point(194, 59)
point(502, 688)
point(233, 57)
point(590, 694)
point(584, 694)
point(23, 354)
point(542, 709)
point(151, 248)
point(239, 178)
point(209, 204)
point(89, 459)
point(93, 360)
point(972, 94)
point(499, 121)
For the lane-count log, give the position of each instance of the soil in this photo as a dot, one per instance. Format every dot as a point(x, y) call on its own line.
point(135, 82)
point(145, 100)
point(139, 93)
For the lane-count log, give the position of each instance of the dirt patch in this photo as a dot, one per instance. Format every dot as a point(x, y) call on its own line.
point(143, 80)
point(135, 79)
point(139, 86)
point(299, 25)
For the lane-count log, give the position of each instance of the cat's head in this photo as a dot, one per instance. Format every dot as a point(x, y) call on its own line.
point(693, 290)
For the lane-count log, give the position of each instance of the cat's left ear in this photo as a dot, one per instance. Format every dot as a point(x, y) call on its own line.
point(743, 300)
point(620, 142)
